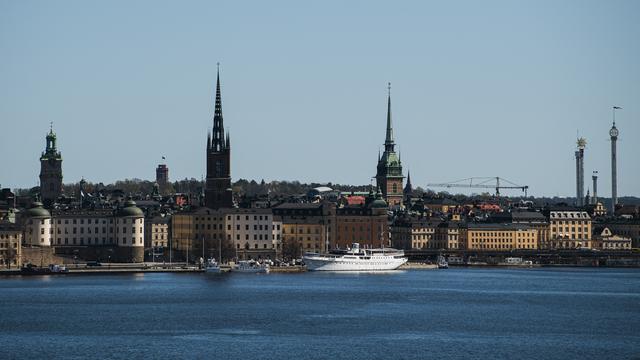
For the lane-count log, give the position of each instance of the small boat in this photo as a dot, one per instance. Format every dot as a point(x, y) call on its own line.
point(250, 266)
point(212, 267)
point(442, 262)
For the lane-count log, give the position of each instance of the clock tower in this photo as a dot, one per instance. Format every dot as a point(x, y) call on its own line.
point(50, 171)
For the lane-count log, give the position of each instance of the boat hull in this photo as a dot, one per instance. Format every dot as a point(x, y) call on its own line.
point(339, 264)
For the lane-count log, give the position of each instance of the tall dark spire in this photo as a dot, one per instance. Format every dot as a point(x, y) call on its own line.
point(218, 140)
point(388, 141)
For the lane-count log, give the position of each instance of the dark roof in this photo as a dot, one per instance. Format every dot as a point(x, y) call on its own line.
point(299, 206)
point(499, 226)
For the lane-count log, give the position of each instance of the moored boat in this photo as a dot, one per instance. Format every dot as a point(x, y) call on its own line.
point(250, 266)
point(442, 262)
point(356, 259)
point(212, 267)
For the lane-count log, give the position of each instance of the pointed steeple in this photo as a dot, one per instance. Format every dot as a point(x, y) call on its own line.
point(408, 189)
point(388, 141)
point(217, 142)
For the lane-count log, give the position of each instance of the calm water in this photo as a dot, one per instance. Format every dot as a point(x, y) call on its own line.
point(443, 314)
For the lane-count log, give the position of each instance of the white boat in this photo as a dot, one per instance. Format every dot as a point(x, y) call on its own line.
point(355, 259)
point(250, 266)
point(442, 262)
point(212, 267)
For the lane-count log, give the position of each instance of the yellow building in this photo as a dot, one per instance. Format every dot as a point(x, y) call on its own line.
point(569, 229)
point(499, 237)
point(10, 246)
point(629, 228)
point(605, 240)
point(156, 232)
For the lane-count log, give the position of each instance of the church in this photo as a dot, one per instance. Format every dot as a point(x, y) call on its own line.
point(389, 176)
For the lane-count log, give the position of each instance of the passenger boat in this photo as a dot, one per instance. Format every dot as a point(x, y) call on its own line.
point(250, 266)
point(355, 259)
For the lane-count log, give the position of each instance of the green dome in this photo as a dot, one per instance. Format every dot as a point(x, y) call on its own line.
point(37, 210)
point(130, 209)
point(379, 202)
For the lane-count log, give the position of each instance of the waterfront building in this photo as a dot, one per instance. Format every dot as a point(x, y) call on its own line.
point(629, 228)
point(50, 171)
point(252, 232)
point(10, 245)
point(156, 232)
point(533, 219)
point(569, 228)
point(365, 224)
point(499, 237)
point(306, 227)
point(101, 233)
point(413, 232)
point(448, 235)
point(605, 240)
point(37, 225)
point(218, 192)
point(197, 230)
point(389, 176)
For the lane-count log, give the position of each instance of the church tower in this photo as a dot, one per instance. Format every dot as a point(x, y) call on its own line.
point(389, 176)
point(218, 184)
point(50, 171)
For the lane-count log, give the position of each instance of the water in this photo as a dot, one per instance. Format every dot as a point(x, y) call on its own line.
point(444, 314)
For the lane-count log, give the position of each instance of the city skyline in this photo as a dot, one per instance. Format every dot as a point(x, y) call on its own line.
point(332, 122)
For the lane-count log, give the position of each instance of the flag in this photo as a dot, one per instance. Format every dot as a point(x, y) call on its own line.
point(617, 107)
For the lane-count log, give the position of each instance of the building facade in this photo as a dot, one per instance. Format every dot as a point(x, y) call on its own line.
point(569, 228)
point(10, 246)
point(106, 233)
point(499, 237)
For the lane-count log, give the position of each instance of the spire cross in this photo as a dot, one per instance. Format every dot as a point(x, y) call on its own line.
point(51, 126)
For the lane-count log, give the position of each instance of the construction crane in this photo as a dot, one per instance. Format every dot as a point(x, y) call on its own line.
point(483, 183)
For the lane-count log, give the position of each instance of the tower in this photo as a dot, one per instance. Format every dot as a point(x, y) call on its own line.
point(162, 174)
point(613, 133)
point(582, 143)
point(594, 198)
point(218, 183)
point(389, 176)
point(50, 170)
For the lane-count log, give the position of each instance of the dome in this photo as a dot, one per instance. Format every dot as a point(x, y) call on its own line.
point(130, 209)
point(37, 210)
point(379, 202)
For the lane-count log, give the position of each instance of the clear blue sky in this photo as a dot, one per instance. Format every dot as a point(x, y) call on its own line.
point(480, 88)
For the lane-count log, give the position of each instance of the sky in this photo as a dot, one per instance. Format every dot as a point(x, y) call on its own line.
point(479, 88)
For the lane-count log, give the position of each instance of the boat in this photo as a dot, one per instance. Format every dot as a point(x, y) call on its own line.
point(355, 259)
point(516, 261)
point(250, 266)
point(212, 267)
point(442, 262)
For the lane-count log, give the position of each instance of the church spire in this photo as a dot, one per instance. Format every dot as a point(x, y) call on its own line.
point(218, 141)
point(388, 141)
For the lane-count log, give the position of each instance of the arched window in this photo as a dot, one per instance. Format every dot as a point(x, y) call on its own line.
point(395, 188)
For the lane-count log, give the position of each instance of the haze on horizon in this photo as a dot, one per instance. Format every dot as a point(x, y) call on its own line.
point(496, 88)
